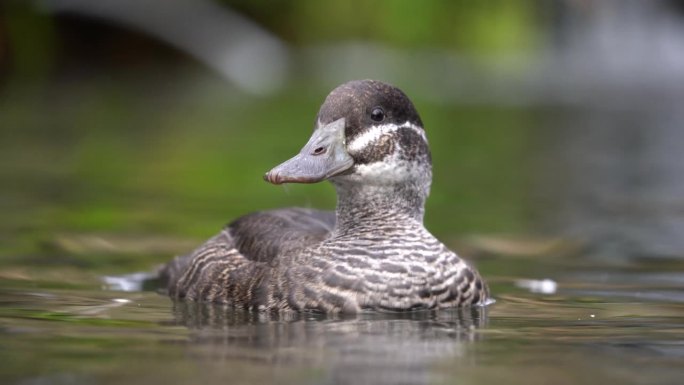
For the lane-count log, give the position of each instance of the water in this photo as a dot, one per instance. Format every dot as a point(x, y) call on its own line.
point(603, 324)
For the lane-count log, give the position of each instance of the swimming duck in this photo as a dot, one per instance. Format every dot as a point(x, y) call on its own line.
point(372, 253)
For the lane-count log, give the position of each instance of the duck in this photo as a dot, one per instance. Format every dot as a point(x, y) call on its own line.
point(373, 253)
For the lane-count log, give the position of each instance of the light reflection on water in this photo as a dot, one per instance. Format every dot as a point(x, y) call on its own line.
point(601, 326)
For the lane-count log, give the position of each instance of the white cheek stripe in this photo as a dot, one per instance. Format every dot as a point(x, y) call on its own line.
point(375, 132)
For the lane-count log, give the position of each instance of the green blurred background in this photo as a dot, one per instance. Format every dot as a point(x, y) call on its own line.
point(140, 123)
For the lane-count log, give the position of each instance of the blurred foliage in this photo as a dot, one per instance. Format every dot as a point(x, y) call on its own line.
point(93, 142)
point(39, 41)
point(491, 26)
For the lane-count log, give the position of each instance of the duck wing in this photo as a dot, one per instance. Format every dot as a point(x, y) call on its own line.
point(254, 239)
point(262, 236)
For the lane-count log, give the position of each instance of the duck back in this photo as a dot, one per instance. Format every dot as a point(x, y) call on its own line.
point(247, 246)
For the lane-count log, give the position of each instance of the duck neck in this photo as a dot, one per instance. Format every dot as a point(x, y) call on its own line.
point(365, 207)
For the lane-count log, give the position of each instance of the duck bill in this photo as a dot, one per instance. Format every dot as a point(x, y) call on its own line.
point(323, 157)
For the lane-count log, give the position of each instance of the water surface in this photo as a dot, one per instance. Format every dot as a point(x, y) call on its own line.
point(604, 324)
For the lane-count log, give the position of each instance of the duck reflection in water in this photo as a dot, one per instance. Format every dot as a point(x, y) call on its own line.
point(372, 347)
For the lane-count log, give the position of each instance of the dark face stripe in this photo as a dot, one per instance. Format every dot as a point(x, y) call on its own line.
point(406, 142)
point(376, 151)
point(412, 145)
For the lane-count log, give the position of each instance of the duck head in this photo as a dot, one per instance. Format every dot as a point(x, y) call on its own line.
point(366, 133)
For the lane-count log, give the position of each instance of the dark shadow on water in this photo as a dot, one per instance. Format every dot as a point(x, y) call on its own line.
point(363, 348)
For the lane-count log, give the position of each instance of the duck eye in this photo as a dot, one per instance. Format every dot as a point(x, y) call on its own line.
point(377, 114)
point(319, 151)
